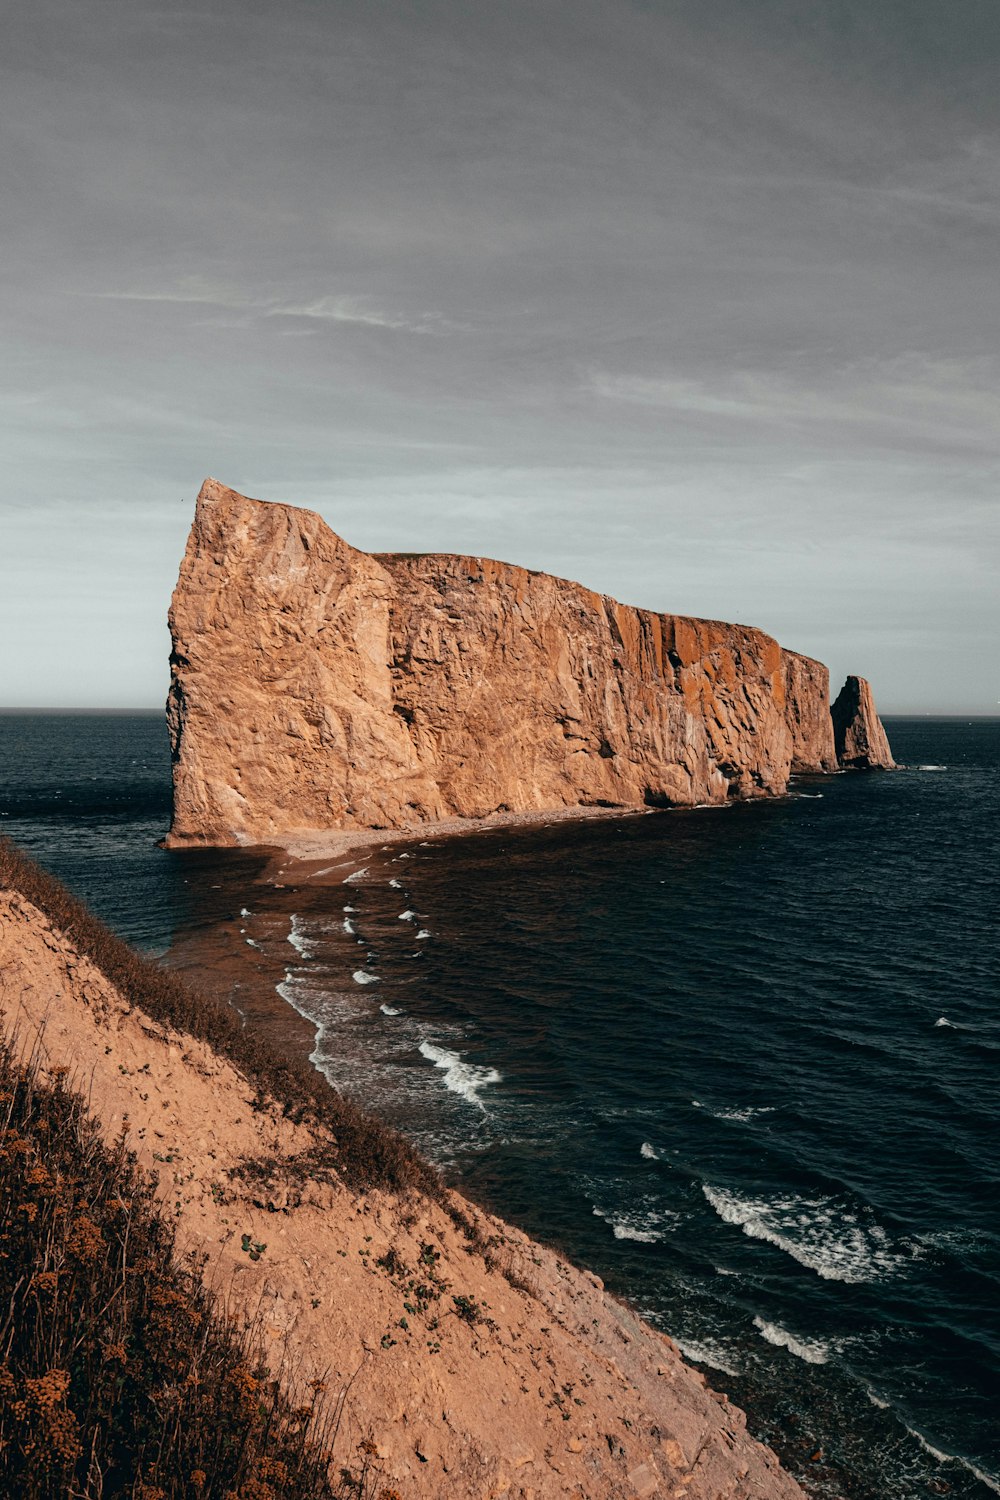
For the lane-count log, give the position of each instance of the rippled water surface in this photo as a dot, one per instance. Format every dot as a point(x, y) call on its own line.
point(743, 1062)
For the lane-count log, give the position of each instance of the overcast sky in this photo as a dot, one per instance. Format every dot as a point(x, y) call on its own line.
point(696, 301)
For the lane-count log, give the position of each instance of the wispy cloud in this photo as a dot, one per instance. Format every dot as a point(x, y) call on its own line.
point(949, 398)
point(364, 311)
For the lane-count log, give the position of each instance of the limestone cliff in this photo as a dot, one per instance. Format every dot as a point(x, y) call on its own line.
point(860, 738)
point(318, 687)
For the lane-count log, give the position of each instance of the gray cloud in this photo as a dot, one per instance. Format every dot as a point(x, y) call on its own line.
point(697, 303)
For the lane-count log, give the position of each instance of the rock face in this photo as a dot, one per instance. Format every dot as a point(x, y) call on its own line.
point(318, 687)
point(858, 732)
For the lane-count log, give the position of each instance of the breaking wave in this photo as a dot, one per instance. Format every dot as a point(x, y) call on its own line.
point(303, 944)
point(701, 1352)
point(821, 1234)
point(813, 1351)
point(460, 1077)
point(992, 1482)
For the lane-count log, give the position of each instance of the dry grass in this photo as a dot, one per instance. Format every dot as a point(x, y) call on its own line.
point(118, 1376)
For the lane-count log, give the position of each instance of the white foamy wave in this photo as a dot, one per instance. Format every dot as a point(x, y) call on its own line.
point(361, 976)
point(811, 1350)
point(649, 1152)
point(700, 1352)
point(400, 856)
point(348, 926)
point(932, 768)
point(876, 1400)
point(809, 796)
point(356, 875)
point(821, 1234)
point(645, 1229)
point(252, 944)
point(244, 912)
point(407, 916)
point(397, 885)
point(461, 1077)
point(751, 1112)
point(943, 1021)
point(390, 1010)
point(423, 933)
point(350, 908)
point(991, 1481)
point(300, 940)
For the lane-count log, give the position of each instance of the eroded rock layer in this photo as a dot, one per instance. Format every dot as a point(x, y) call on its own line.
point(318, 687)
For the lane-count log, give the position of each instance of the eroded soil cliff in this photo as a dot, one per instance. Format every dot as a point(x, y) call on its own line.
point(480, 1367)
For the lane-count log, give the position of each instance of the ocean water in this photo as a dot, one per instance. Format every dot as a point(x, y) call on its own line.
point(742, 1062)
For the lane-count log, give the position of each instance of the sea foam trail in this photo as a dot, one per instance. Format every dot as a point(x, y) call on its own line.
point(407, 916)
point(811, 1350)
point(820, 1233)
point(357, 875)
point(742, 1116)
point(992, 1482)
point(646, 1223)
point(300, 940)
point(699, 1352)
point(461, 1077)
point(649, 1151)
point(390, 1010)
point(361, 976)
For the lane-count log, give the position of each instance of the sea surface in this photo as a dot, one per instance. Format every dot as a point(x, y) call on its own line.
point(742, 1062)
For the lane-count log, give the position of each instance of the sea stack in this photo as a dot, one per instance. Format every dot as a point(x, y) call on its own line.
point(316, 687)
point(858, 732)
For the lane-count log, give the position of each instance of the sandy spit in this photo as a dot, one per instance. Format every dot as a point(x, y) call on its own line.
point(504, 1374)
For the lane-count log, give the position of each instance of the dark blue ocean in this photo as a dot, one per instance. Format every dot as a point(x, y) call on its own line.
point(742, 1062)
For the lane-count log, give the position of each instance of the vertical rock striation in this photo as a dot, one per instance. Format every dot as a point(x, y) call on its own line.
point(318, 687)
point(860, 738)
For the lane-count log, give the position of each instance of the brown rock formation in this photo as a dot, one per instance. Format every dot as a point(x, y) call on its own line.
point(858, 732)
point(318, 687)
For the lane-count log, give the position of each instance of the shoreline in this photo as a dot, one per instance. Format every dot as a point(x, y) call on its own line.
point(317, 848)
point(617, 1412)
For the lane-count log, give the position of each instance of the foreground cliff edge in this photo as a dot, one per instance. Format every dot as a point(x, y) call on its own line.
point(467, 1360)
point(315, 687)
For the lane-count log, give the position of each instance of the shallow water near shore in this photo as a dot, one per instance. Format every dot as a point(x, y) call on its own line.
point(742, 1062)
